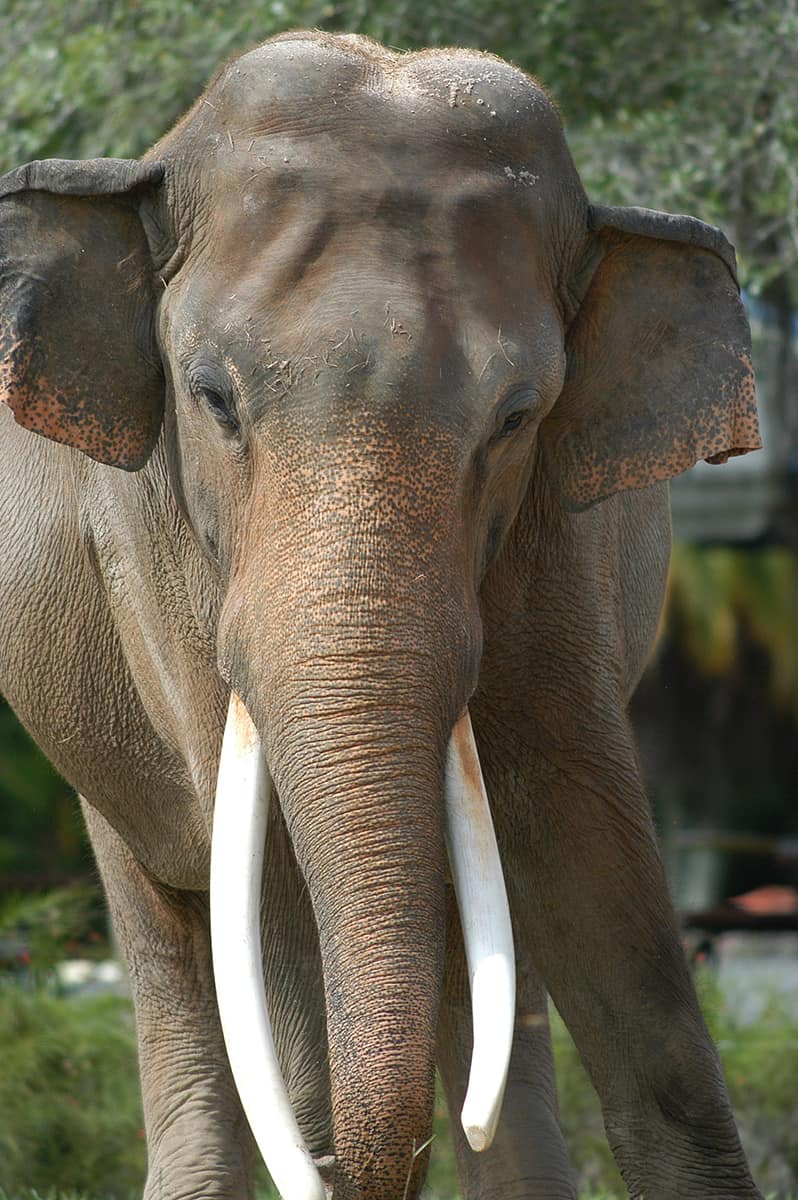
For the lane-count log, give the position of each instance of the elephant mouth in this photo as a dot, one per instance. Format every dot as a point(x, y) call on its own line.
point(238, 843)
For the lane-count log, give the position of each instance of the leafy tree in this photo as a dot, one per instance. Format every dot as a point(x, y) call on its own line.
point(689, 107)
point(40, 836)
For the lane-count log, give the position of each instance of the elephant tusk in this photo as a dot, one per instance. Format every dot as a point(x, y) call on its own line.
point(487, 933)
point(239, 828)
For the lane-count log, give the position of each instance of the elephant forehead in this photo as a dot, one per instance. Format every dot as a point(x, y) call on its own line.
point(306, 238)
point(298, 206)
point(434, 153)
point(367, 100)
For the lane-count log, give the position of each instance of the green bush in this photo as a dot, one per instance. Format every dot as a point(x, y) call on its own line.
point(69, 1102)
point(760, 1061)
point(38, 930)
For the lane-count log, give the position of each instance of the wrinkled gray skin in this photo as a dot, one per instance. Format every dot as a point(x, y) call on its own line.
point(365, 279)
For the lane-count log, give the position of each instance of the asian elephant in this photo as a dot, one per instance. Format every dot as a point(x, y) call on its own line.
point(356, 410)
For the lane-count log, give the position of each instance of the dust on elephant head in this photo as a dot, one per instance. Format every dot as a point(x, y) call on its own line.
point(359, 335)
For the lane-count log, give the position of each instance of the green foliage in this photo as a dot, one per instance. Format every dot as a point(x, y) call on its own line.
point(688, 107)
point(39, 930)
point(716, 593)
point(57, 1194)
point(760, 1062)
point(580, 1118)
point(69, 1106)
point(38, 831)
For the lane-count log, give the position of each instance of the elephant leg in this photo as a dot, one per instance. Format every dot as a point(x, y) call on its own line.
point(599, 925)
point(528, 1159)
point(198, 1140)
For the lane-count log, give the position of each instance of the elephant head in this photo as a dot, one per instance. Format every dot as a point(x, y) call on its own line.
point(357, 302)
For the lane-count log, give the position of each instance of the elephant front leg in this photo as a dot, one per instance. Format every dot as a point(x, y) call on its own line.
point(598, 922)
point(528, 1159)
point(198, 1141)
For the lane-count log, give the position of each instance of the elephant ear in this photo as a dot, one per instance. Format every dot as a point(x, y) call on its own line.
point(659, 368)
point(78, 357)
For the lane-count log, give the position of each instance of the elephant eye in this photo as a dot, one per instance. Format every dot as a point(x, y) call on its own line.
point(512, 422)
point(220, 409)
point(513, 413)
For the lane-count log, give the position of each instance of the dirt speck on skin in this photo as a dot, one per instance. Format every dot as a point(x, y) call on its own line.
point(525, 177)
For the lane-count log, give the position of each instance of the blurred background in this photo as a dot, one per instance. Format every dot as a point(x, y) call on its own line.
point(683, 106)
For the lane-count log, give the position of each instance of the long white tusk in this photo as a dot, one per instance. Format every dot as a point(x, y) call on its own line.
point(487, 933)
point(239, 828)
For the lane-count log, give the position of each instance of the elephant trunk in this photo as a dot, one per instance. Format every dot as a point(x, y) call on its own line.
point(359, 773)
point(354, 695)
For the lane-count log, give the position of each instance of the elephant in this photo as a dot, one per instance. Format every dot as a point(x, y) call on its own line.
point(340, 432)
